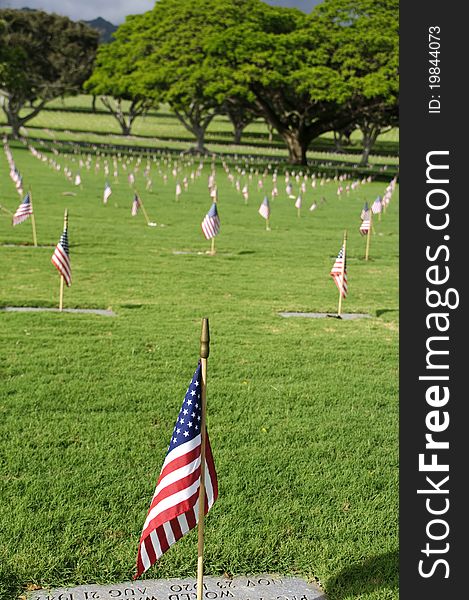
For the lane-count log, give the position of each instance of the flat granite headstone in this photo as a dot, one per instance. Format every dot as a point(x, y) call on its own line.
point(255, 587)
point(86, 311)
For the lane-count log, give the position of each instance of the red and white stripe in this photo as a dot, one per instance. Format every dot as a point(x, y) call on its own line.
point(339, 273)
point(210, 226)
point(174, 509)
point(22, 213)
point(61, 260)
point(365, 226)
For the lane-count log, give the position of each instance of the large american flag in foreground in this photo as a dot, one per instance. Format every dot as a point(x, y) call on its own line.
point(338, 270)
point(23, 211)
point(174, 509)
point(61, 258)
point(211, 223)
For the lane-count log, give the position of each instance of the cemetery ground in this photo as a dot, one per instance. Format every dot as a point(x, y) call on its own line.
point(302, 413)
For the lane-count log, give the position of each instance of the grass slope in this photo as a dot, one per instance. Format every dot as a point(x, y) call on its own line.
point(72, 119)
point(302, 413)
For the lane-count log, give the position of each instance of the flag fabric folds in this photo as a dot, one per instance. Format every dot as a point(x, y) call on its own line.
point(107, 192)
point(135, 205)
point(174, 509)
point(24, 210)
point(365, 216)
point(365, 211)
point(61, 258)
point(339, 273)
point(211, 223)
point(264, 209)
point(377, 206)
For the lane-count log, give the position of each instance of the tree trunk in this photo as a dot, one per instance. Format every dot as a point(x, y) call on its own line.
point(296, 148)
point(369, 139)
point(126, 129)
point(93, 104)
point(338, 141)
point(199, 133)
point(238, 132)
point(13, 121)
point(15, 124)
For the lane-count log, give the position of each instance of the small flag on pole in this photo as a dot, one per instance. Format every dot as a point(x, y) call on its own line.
point(365, 216)
point(298, 202)
point(264, 209)
point(339, 272)
point(107, 192)
point(174, 509)
point(24, 210)
point(135, 205)
point(377, 206)
point(61, 257)
point(365, 211)
point(211, 223)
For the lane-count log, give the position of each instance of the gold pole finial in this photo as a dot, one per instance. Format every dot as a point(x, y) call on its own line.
point(205, 339)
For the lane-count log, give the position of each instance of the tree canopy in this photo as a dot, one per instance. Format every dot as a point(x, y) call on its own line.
point(42, 56)
point(115, 79)
point(333, 70)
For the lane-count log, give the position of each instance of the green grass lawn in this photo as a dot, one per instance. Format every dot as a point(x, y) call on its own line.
point(71, 119)
point(302, 413)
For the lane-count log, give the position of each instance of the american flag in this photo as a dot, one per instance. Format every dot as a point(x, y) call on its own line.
point(174, 509)
point(377, 206)
point(61, 257)
point(135, 205)
point(365, 216)
point(23, 211)
point(211, 223)
point(339, 268)
point(107, 192)
point(365, 212)
point(264, 209)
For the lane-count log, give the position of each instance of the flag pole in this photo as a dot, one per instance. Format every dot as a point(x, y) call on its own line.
point(339, 310)
point(143, 208)
point(212, 249)
point(33, 220)
point(204, 352)
point(61, 295)
point(267, 225)
point(368, 236)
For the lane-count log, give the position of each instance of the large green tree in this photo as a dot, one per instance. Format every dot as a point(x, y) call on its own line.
point(369, 55)
point(174, 65)
point(42, 56)
point(311, 74)
point(170, 58)
point(114, 76)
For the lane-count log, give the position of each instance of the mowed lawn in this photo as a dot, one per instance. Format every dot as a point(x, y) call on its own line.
point(302, 413)
point(72, 118)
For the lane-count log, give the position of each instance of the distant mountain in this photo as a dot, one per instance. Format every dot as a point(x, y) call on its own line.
point(105, 28)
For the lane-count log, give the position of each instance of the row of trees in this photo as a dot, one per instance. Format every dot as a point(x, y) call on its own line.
point(334, 70)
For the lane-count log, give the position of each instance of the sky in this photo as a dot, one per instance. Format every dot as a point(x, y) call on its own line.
point(116, 10)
